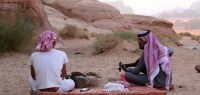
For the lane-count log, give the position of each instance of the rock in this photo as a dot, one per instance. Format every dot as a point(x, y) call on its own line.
point(197, 67)
point(135, 23)
point(74, 74)
point(87, 10)
point(93, 81)
point(93, 74)
point(56, 18)
point(32, 8)
point(81, 82)
point(92, 13)
point(179, 44)
point(150, 23)
point(195, 48)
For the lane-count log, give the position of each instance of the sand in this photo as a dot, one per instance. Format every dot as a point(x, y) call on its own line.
point(14, 70)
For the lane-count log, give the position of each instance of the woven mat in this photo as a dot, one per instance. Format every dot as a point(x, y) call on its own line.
point(141, 90)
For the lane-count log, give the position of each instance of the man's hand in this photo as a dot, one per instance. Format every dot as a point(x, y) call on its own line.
point(119, 68)
point(122, 66)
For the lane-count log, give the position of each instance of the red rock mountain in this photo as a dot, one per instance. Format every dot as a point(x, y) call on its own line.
point(90, 14)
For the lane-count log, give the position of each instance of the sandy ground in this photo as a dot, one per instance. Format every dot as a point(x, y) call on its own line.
point(14, 70)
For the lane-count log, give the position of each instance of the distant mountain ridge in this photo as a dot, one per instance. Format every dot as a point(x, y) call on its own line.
point(119, 4)
point(183, 18)
point(192, 12)
point(195, 7)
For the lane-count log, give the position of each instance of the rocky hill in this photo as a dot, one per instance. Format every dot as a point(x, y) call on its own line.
point(32, 8)
point(90, 14)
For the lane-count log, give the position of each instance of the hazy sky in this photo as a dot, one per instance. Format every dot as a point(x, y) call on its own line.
point(150, 7)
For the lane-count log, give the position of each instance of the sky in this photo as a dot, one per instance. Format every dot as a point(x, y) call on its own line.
point(151, 7)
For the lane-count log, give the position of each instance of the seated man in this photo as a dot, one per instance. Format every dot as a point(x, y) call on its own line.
point(48, 66)
point(154, 63)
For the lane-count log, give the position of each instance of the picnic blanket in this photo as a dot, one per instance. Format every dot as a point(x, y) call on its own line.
point(136, 90)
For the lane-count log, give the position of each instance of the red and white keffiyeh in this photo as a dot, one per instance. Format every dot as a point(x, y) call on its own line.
point(153, 51)
point(45, 41)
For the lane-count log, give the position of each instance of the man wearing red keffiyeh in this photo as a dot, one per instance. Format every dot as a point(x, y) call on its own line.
point(48, 66)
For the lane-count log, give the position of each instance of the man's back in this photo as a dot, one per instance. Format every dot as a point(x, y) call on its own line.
point(48, 66)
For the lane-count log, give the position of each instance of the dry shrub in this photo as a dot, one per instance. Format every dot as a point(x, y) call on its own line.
point(197, 38)
point(185, 34)
point(164, 36)
point(94, 34)
point(125, 35)
point(105, 43)
point(193, 37)
point(85, 29)
point(108, 41)
point(17, 35)
point(71, 31)
point(84, 34)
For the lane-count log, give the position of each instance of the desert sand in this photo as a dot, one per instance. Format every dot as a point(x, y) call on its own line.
point(14, 70)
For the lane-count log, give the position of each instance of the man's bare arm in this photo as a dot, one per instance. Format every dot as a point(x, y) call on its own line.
point(64, 71)
point(32, 72)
